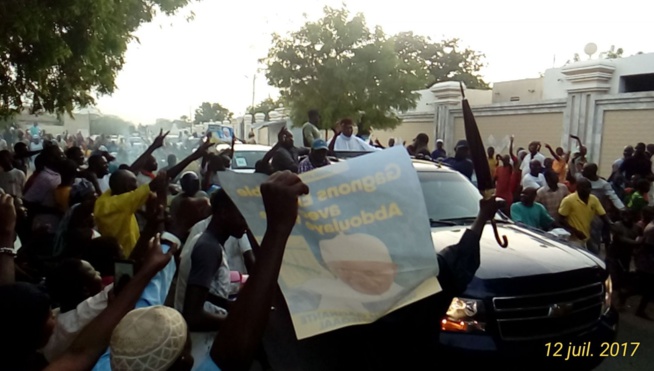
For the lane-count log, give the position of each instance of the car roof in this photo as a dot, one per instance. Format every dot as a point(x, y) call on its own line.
point(430, 166)
point(244, 147)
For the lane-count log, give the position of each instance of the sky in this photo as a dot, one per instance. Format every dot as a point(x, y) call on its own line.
point(179, 64)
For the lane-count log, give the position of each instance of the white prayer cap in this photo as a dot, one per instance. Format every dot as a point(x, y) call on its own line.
point(354, 247)
point(150, 338)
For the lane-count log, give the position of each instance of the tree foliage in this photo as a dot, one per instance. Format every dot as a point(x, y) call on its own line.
point(344, 69)
point(441, 61)
point(265, 106)
point(211, 112)
point(56, 55)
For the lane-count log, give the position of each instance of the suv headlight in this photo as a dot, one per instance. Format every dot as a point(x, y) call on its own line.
point(608, 294)
point(464, 315)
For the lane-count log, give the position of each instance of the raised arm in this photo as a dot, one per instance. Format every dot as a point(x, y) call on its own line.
point(7, 231)
point(93, 341)
point(511, 148)
point(156, 144)
point(552, 152)
point(174, 171)
point(240, 336)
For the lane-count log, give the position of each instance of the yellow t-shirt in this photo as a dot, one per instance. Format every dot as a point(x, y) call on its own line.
point(561, 168)
point(579, 214)
point(492, 164)
point(62, 198)
point(114, 216)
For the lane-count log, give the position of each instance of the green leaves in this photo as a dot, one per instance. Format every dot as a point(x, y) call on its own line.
point(344, 69)
point(211, 112)
point(57, 55)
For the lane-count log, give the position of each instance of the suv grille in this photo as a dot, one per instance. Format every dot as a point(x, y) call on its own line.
point(546, 315)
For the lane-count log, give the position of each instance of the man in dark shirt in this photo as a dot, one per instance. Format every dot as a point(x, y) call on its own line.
point(638, 164)
point(460, 162)
point(287, 156)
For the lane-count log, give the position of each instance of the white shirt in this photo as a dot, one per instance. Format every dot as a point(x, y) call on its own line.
point(235, 248)
point(530, 181)
point(12, 182)
point(68, 325)
point(104, 183)
point(524, 166)
point(352, 144)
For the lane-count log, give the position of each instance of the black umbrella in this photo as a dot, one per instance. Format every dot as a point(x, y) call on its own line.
point(485, 183)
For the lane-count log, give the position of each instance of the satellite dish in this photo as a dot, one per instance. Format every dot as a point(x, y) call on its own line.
point(590, 49)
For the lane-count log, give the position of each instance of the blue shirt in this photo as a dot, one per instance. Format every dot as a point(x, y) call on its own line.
point(534, 216)
point(155, 294)
point(438, 153)
point(464, 166)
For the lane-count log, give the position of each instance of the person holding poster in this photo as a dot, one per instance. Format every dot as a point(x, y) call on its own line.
point(361, 253)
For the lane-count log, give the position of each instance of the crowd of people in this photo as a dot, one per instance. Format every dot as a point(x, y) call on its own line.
point(110, 265)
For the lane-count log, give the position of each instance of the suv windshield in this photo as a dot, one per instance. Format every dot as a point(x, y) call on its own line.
point(246, 159)
point(449, 196)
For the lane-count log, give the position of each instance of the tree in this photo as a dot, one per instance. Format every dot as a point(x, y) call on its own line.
point(211, 112)
point(56, 55)
point(612, 53)
point(342, 68)
point(441, 61)
point(265, 106)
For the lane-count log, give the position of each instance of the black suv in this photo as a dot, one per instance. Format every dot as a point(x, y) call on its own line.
point(538, 295)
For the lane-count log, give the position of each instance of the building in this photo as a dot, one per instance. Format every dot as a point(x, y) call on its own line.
point(608, 103)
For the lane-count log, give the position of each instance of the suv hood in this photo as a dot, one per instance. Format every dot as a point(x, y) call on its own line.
point(529, 253)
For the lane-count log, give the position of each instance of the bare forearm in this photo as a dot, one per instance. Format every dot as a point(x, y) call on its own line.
point(234, 348)
point(174, 171)
point(94, 339)
point(140, 161)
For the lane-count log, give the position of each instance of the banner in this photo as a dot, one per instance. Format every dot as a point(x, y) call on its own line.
point(220, 133)
point(362, 244)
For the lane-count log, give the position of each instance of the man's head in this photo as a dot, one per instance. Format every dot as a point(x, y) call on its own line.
point(491, 152)
point(533, 147)
point(640, 148)
point(150, 164)
point(68, 172)
point(226, 214)
point(643, 186)
point(162, 337)
point(506, 160)
point(72, 282)
point(548, 163)
point(552, 179)
point(628, 216)
point(319, 150)
point(362, 261)
point(347, 127)
point(439, 143)
point(421, 140)
point(20, 148)
point(172, 160)
point(122, 181)
point(461, 149)
point(590, 171)
point(99, 165)
point(5, 160)
point(583, 188)
point(26, 320)
point(522, 154)
point(75, 154)
point(314, 117)
point(52, 156)
point(286, 139)
point(535, 167)
point(190, 183)
point(560, 152)
point(628, 151)
point(528, 196)
point(391, 142)
point(583, 150)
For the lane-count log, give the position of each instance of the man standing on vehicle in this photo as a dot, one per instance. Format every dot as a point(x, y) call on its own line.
point(310, 130)
point(343, 139)
point(317, 158)
point(287, 155)
point(460, 162)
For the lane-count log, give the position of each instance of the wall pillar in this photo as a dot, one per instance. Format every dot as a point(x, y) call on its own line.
point(586, 82)
point(447, 96)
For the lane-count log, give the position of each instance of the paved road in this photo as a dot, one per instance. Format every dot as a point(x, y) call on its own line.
point(634, 329)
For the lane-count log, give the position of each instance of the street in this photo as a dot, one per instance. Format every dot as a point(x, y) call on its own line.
point(633, 329)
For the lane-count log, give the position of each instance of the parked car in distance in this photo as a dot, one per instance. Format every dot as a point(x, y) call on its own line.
point(245, 155)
